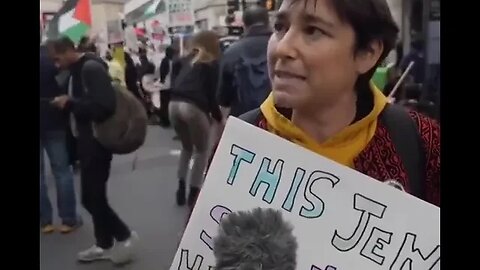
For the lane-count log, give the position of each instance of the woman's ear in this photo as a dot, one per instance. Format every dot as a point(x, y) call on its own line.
point(367, 58)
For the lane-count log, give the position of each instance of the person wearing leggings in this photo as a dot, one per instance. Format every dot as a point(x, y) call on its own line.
point(191, 110)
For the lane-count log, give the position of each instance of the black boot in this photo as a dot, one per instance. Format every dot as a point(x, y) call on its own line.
point(181, 193)
point(192, 197)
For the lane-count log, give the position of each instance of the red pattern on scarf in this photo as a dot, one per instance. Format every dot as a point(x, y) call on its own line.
point(381, 161)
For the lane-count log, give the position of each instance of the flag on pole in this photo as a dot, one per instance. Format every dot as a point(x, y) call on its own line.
point(74, 20)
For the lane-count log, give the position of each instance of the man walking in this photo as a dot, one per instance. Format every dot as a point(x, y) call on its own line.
point(53, 140)
point(91, 98)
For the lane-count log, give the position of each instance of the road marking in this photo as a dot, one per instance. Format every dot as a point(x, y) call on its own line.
point(175, 152)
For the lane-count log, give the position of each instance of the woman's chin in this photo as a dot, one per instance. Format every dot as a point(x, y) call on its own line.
point(283, 99)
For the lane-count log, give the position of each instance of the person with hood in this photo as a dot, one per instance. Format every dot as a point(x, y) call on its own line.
point(321, 58)
point(90, 99)
point(53, 141)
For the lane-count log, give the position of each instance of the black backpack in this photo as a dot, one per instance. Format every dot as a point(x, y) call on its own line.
point(251, 80)
point(405, 136)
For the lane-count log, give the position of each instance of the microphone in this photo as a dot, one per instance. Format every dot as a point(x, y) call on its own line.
point(255, 240)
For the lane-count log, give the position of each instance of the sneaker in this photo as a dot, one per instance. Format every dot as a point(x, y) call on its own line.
point(94, 253)
point(46, 229)
point(65, 229)
point(123, 252)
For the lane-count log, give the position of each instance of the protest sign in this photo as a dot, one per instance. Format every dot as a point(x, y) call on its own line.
point(341, 219)
point(115, 32)
point(180, 13)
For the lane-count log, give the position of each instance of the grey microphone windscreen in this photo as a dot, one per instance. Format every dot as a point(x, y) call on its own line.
point(255, 240)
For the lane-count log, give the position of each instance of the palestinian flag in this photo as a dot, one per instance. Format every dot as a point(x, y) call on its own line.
point(74, 20)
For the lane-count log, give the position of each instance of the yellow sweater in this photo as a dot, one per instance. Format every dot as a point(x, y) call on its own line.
point(344, 146)
point(116, 71)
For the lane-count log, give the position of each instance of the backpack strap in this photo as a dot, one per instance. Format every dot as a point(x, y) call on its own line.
point(408, 144)
point(252, 117)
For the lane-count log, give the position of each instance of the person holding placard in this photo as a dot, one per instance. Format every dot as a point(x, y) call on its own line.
point(321, 59)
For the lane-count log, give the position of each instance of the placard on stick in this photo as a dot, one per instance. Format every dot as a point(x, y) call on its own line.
point(341, 218)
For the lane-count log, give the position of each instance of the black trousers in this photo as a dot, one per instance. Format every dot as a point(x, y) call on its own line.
point(163, 112)
point(95, 163)
point(71, 147)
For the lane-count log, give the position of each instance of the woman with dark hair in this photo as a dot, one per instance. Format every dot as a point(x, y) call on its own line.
point(321, 59)
point(191, 109)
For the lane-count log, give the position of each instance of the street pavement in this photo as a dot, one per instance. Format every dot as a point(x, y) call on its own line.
point(144, 197)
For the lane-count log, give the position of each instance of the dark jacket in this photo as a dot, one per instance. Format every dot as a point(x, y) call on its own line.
point(255, 42)
point(131, 76)
point(97, 103)
point(51, 118)
point(196, 84)
point(165, 64)
point(177, 64)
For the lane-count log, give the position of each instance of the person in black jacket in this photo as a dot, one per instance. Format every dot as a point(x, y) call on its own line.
point(131, 76)
point(191, 108)
point(254, 44)
point(166, 67)
point(91, 98)
point(53, 141)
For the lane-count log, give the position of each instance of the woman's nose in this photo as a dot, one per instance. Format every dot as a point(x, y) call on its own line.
point(287, 45)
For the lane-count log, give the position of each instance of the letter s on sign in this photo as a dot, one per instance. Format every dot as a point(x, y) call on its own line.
point(217, 213)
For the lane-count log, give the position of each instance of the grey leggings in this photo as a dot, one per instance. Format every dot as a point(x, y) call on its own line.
point(193, 128)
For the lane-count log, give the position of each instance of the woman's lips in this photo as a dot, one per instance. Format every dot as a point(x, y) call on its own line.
point(284, 80)
point(287, 75)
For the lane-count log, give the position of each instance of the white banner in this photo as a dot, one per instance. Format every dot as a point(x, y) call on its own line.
point(115, 32)
point(341, 219)
point(180, 13)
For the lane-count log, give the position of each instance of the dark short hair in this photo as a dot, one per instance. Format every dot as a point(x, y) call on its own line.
point(61, 45)
point(255, 15)
point(371, 21)
point(84, 41)
point(86, 45)
point(108, 56)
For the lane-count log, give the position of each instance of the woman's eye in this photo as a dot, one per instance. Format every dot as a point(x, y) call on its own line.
point(312, 30)
point(278, 27)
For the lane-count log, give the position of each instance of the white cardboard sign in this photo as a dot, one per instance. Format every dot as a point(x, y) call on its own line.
point(341, 219)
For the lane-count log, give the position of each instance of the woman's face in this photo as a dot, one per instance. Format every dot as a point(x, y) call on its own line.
point(311, 55)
